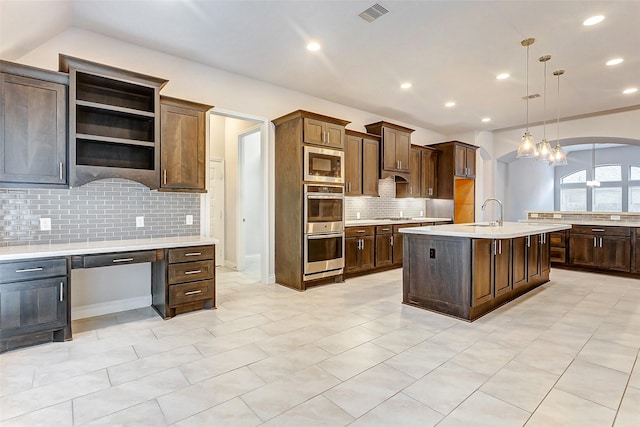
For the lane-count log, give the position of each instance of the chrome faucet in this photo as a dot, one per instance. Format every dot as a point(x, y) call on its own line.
point(484, 205)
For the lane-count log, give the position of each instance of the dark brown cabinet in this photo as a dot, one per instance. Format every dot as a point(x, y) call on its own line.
point(33, 126)
point(636, 250)
point(558, 246)
point(465, 160)
point(491, 269)
point(34, 301)
point(114, 126)
point(325, 133)
point(398, 238)
point(415, 169)
point(361, 164)
point(422, 176)
point(394, 149)
point(428, 172)
point(359, 249)
point(182, 144)
point(531, 259)
point(533, 256)
point(607, 248)
point(384, 245)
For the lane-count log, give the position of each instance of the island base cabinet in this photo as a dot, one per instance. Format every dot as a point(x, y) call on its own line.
point(491, 269)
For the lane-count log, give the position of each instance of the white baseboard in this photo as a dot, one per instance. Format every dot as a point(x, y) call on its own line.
point(91, 310)
point(230, 264)
point(272, 279)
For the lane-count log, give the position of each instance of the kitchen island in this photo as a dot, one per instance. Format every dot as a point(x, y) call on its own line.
point(467, 270)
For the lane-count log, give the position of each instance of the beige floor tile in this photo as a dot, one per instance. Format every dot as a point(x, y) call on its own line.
point(634, 381)
point(609, 354)
point(355, 361)
point(594, 382)
point(445, 387)
point(483, 410)
point(365, 391)
point(316, 412)
point(139, 368)
point(347, 339)
point(421, 359)
point(153, 346)
point(485, 357)
point(520, 385)
point(16, 378)
point(144, 414)
point(233, 413)
point(59, 415)
point(278, 367)
point(560, 409)
point(189, 401)
point(547, 356)
point(403, 338)
point(226, 328)
point(231, 341)
point(399, 410)
point(629, 412)
point(277, 397)
point(222, 362)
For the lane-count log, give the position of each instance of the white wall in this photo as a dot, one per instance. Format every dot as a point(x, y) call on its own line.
point(530, 188)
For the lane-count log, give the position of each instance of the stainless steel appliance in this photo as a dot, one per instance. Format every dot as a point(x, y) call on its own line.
point(323, 255)
point(323, 208)
point(323, 165)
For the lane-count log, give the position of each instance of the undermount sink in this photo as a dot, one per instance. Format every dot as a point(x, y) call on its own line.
point(481, 224)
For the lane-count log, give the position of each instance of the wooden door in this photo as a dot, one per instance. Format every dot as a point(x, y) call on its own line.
point(389, 141)
point(182, 143)
point(370, 162)
point(582, 249)
point(519, 261)
point(428, 173)
point(367, 253)
point(403, 148)
point(334, 135)
point(414, 173)
point(460, 159)
point(470, 162)
point(352, 256)
point(533, 256)
point(545, 254)
point(482, 278)
point(502, 266)
point(313, 132)
point(614, 253)
point(33, 131)
point(384, 250)
point(397, 248)
point(353, 166)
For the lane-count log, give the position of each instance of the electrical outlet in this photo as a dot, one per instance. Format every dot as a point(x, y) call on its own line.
point(45, 224)
point(615, 217)
point(400, 214)
point(139, 221)
point(432, 253)
point(421, 214)
point(557, 216)
point(357, 215)
point(189, 219)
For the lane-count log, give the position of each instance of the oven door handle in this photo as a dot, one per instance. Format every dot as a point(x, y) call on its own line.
point(324, 235)
point(336, 197)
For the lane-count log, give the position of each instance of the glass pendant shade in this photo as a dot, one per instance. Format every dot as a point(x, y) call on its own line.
point(527, 147)
point(558, 157)
point(544, 150)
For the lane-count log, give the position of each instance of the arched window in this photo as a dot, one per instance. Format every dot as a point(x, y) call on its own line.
point(634, 189)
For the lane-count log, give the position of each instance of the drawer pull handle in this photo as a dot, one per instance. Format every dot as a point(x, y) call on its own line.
point(599, 230)
point(28, 270)
point(193, 292)
point(193, 272)
point(123, 260)
point(386, 229)
point(360, 231)
point(193, 254)
point(61, 291)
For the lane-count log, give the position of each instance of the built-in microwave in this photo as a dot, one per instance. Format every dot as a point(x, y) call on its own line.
point(323, 208)
point(323, 165)
point(323, 255)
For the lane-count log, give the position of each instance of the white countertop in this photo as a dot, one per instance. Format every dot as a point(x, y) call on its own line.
point(11, 253)
point(356, 222)
point(600, 222)
point(484, 231)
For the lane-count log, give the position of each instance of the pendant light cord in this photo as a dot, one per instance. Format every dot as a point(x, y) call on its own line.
point(527, 94)
point(544, 104)
point(558, 114)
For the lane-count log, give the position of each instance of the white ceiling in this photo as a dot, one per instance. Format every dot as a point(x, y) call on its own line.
point(449, 50)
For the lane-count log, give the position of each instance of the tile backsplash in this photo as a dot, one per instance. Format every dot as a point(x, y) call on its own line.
point(385, 206)
point(101, 210)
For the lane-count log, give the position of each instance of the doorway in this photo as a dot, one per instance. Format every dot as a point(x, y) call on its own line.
point(250, 221)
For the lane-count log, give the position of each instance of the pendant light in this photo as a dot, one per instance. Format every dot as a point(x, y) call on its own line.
point(527, 147)
point(543, 150)
point(558, 157)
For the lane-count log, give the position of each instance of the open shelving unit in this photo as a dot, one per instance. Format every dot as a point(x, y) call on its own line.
point(114, 121)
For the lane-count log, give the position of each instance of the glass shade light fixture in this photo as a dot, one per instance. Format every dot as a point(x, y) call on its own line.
point(558, 156)
point(543, 149)
point(594, 182)
point(527, 147)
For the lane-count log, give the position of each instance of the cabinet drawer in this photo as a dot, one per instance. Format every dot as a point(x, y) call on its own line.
point(193, 253)
point(384, 229)
point(359, 231)
point(32, 269)
point(596, 229)
point(191, 271)
point(557, 239)
point(103, 260)
point(191, 292)
point(558, 255)
point(396, 228)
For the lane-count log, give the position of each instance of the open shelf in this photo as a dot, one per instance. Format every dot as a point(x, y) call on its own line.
point(118, 93)
point(108, 154)
point(114, 124)
point(114, 140)
point(129, 111)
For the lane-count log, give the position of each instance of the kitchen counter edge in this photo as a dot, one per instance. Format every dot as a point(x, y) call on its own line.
point(507, 231)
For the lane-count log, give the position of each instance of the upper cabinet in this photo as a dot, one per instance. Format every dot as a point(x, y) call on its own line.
point(361, 164)
point(395, 148)
point(182, 143)
point(422, 176)
point(465, 160)
point(429, 172)
point(455, 160)
point(33, 126)
point(321, 132)
point(114, 126)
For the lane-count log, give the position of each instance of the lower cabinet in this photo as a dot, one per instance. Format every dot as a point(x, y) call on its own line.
point(558, 246)
point(359, 253)
point(607, 248)
point(491, 269)
point(33, 302)
point(636, 249)
point(384, 245)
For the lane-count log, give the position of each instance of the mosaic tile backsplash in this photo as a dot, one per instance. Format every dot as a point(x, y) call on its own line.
point(101, 210)
point(385, 206)
point(631, 217)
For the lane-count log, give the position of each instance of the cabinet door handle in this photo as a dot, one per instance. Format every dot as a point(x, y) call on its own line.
point(601, 242)
point(495, 247)
point(391, 240)
point(61, 176)
point(27, 270)
point(193, 272)
point(598, 230)
point(193, 254)
point(165, 176)
point(595, 242)
point(328, 138)
point(123, 260)
point(61, 291)
point(193, 292)
point(360, 231)
point(528, 241)
point(500, 247)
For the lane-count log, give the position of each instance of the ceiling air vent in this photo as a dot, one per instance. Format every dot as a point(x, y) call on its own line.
point(373, 13)
point(535, 95)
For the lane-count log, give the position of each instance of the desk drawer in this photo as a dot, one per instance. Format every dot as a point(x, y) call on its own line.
point(191, 271)
point(194, 253)
point(191, 292)
point(120, 258)
point(32, 269)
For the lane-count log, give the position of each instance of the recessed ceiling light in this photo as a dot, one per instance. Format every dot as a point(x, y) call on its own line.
point(503, 76)
point(450, 104)
point(593, 20)
point(630, 90)
point(313, 46)
point(405, 85)
point(615, 61)
point(486, 120)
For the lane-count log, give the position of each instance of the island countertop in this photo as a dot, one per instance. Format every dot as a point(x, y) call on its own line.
point(12, 253)
point(483, 230)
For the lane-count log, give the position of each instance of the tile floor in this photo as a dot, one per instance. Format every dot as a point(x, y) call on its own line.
point(344, 354)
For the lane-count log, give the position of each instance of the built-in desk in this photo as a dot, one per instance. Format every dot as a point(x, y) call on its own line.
point(35, 282)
